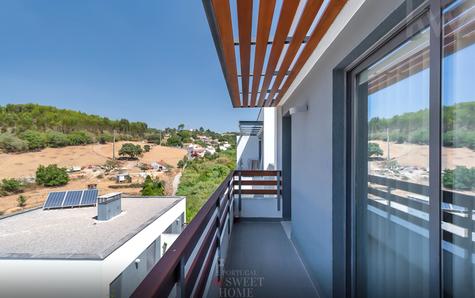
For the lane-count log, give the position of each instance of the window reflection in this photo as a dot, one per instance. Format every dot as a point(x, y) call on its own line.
point(458, 148)
point(393, 216)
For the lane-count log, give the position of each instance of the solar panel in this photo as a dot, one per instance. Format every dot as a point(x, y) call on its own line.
point(54, 200)
point(73, 198)
point(89, 197)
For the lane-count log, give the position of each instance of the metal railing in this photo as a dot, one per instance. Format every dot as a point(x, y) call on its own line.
point(188, 263)
point(389, 195)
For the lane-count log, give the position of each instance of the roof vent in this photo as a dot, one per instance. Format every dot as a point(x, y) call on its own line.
point(109, 206)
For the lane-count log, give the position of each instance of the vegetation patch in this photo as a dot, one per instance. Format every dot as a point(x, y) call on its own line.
point(51, 175)
point(202, 176)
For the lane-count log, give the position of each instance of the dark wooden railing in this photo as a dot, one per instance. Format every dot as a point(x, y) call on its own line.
point(460, 213)
point(197, 245)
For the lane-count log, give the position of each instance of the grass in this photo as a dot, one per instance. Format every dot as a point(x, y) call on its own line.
point(201, 177)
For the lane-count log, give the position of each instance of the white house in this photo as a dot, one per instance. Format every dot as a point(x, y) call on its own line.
point(71, 253)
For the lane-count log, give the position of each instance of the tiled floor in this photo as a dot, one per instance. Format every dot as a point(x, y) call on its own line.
point(262, 262)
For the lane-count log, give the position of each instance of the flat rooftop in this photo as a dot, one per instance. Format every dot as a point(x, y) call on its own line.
point(75, 233)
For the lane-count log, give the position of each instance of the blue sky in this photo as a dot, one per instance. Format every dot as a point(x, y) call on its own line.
point(412, 93)
point(148, 60)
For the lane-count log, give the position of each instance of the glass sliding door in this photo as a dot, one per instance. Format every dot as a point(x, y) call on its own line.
point(458, 149)
point(391, 168)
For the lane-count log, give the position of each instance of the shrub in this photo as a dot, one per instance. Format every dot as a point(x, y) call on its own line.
point(56, 139)
point(21, 201)
point(146, 148)
point(11, 143)
point(51, 175)
point(459, 138)
point(80, 138)
point(35, 139)
point(420, 136)
point(105, 138)
point(111, 164)
point(131, 150)
point(374, 150)
point(12, 185)
point(460, 178)
point(152, 187)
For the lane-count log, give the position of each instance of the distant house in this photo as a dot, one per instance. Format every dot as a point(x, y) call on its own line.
point(122, 176)
point(158, 167)
point(195, 151)
point(210, 150)
point(74, 169)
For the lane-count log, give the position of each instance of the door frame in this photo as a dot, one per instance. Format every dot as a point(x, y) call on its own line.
point(428, 14)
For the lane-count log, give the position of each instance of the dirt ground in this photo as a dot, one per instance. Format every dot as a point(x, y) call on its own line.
point(25, 164)
point(418, 155)
point(89, 157)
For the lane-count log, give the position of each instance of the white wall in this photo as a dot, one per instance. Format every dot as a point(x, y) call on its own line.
point(247, 150)
point(312, 137)
point(269, 142)
point(79, 278)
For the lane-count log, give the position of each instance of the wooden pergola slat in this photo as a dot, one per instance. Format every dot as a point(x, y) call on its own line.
point(287, 14)
point(245, 27)
point(308, 16)
point(264, 23)
point(222, 14)
point(323, 25)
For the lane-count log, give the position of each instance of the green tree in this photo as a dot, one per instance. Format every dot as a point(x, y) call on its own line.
point(460, 178)
point(174, 141)
point(51, 175)
point(374, 150)
point(131, 150)
point(181, 126)
point(152, 187)
point(146, 148)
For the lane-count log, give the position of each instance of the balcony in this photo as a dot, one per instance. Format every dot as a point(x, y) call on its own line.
point(236, 246)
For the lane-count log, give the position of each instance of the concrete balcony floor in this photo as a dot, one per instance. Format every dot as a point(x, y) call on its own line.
point(262, 262)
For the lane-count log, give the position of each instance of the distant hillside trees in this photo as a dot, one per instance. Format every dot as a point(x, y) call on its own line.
point(17, 118)
point(458, 126)
point(32, 127)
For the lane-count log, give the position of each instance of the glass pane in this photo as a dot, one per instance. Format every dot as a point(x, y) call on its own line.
point(391, 187)
point(458, 145)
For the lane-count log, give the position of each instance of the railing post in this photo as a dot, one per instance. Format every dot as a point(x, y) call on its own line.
point(181, 291)
point(239, 202)
point(230, 197)
point(218, 229)
point(278, 190)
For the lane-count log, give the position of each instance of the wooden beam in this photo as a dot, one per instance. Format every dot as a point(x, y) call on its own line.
point(331, 12)
point(244, 10)
point(287, 14)
point(308, 16)
point(225, 29)
point(264, 22)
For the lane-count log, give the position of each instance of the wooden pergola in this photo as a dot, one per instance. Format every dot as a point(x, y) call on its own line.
point(264, 44)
